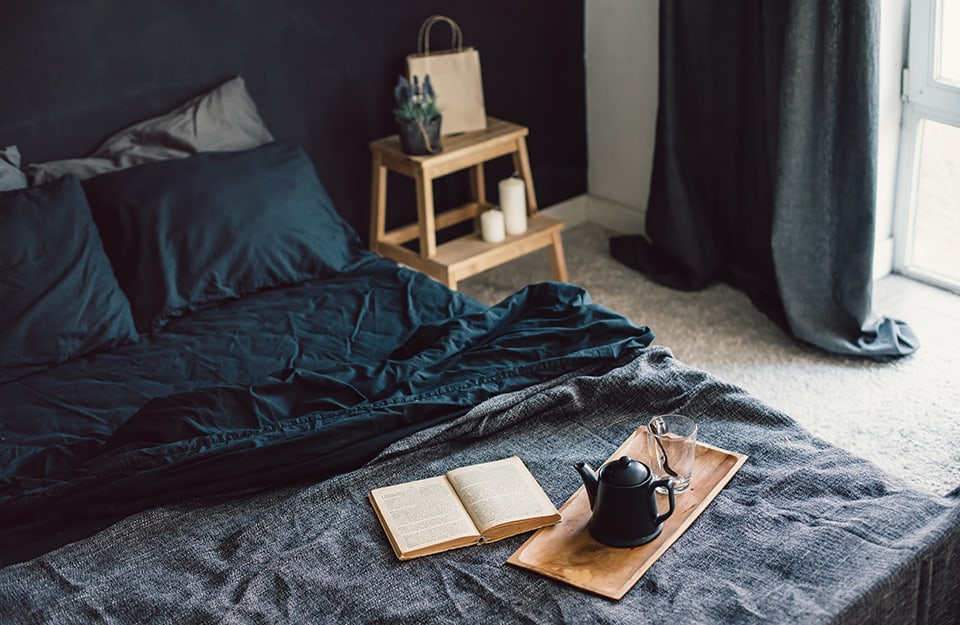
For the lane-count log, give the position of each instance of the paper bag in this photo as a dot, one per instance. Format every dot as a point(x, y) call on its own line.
point(455, 75)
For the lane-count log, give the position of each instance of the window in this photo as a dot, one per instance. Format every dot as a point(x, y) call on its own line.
point(927, 235)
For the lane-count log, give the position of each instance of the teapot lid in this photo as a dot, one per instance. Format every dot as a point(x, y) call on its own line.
point(625, 472)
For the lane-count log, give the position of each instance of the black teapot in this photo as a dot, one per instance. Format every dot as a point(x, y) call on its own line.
point(623, 497)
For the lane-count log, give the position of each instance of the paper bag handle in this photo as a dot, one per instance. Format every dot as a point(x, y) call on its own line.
point(423, 38)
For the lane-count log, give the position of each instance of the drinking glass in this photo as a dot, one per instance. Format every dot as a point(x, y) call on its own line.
point(671, 443)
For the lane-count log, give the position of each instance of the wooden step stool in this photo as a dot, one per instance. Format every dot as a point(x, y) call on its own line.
point(468, 255)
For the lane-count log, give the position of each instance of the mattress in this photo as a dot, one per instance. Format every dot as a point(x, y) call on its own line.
point(804, 533)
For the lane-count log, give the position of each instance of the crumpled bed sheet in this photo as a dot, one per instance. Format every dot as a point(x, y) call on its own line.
point(289, 385)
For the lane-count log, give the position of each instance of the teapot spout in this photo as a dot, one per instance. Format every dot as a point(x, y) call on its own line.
point(589, 480)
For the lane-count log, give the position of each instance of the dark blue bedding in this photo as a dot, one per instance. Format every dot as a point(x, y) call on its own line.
point(281, 386)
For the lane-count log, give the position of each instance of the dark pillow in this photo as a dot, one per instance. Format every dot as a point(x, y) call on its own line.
point(185, 233)
point(10, 175)
point(224, 119)
point(59, 296)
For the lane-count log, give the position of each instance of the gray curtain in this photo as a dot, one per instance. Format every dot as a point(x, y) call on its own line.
point(765, 164)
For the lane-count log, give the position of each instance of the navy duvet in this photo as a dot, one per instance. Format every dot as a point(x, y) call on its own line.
point(274, 388)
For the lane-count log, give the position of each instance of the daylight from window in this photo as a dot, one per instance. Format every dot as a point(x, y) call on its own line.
point(948, 43)
point(936, 248)
point(927, 238)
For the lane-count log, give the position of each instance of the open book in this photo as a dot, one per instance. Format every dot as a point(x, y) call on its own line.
point(465, 506)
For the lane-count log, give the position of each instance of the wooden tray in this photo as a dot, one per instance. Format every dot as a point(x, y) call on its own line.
point(568, 553)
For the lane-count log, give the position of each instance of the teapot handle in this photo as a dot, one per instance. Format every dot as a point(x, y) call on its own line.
point(668, 484)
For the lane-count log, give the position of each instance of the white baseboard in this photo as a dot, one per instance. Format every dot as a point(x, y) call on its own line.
point(610, 215)
point(572, 212)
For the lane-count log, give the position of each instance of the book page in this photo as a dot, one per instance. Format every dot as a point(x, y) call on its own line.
point(500, 492)
point(422, 513)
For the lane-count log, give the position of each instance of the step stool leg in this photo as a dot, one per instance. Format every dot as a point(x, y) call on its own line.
point(425, 215)
point(557, 261)
point(478, 192)
point(378, 203)
point(521, 162)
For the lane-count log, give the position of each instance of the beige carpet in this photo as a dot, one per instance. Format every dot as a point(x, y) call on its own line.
point(904, 415)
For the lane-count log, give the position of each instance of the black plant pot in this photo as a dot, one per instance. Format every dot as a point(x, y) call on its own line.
point(420, 138)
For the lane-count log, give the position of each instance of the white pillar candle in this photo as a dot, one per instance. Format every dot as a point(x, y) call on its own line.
point(513, 203)
point(491, 226)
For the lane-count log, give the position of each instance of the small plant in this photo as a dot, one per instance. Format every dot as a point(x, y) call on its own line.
point(415, 103)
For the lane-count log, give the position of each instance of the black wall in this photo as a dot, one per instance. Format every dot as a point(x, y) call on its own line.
point(322, 73)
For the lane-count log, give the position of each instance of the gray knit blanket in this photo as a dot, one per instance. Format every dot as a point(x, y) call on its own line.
point(804, 533)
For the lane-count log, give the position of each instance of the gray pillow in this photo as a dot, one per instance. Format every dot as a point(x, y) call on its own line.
point(222, 120)
point(10, 175)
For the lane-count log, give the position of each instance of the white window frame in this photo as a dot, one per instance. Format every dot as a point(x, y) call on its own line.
point(925, 97)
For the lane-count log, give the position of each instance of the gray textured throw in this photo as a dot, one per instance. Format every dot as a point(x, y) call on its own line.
point(805, 532)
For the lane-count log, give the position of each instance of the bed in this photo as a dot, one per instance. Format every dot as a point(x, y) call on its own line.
point(205, 373)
